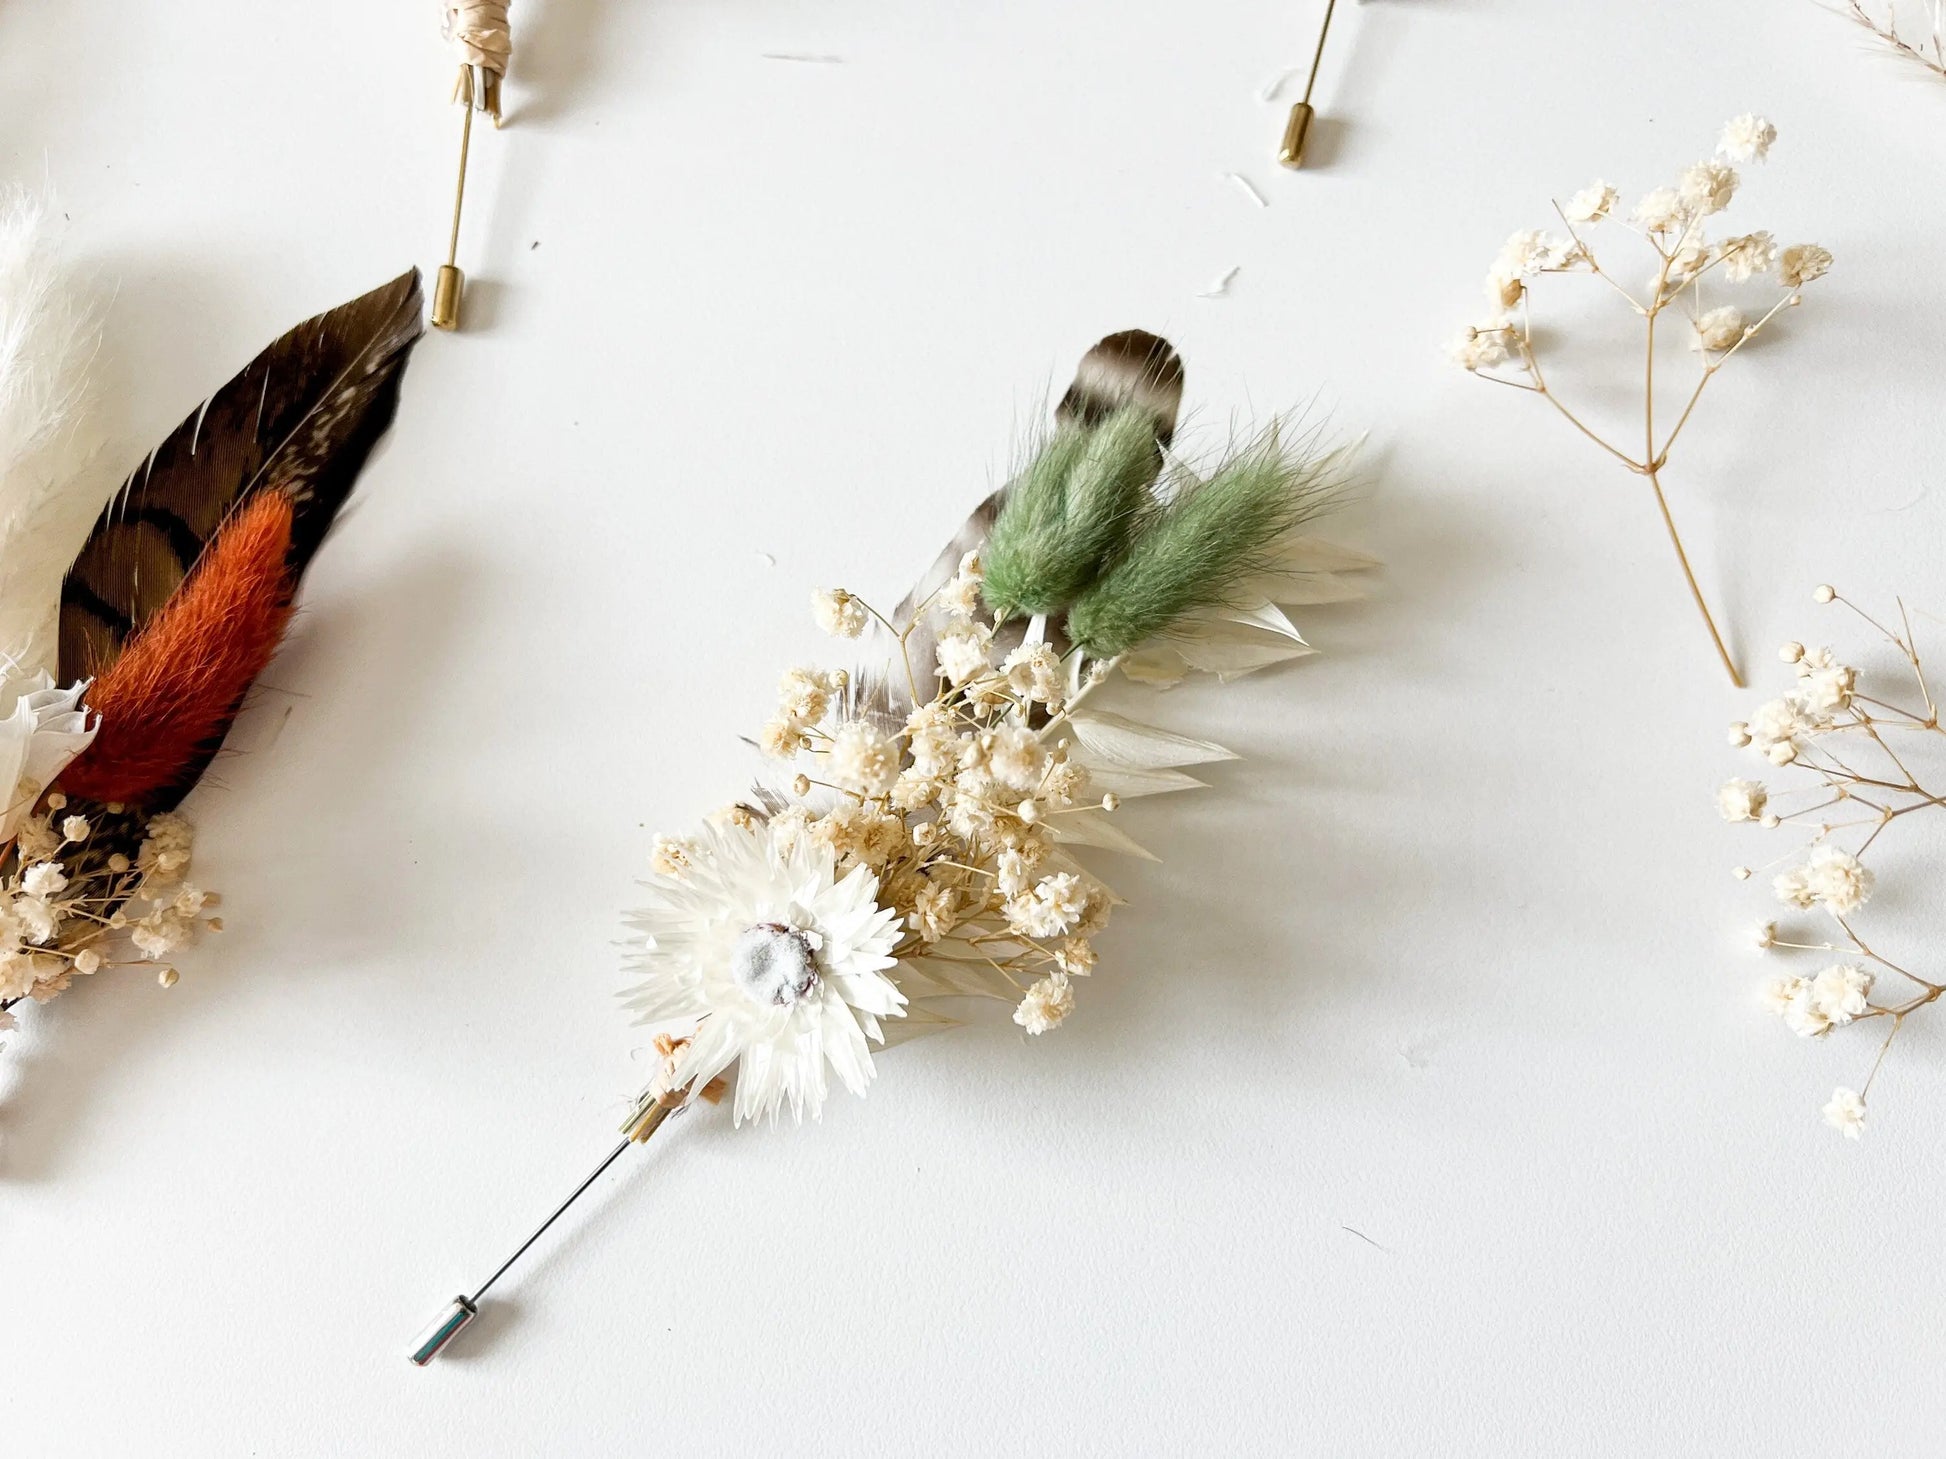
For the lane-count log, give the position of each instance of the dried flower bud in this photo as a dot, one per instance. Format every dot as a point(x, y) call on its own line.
point(167, 977)
point(1824, 592)
point(1791, 652)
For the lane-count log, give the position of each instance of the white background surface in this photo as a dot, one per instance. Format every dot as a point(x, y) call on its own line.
point(1451, 959)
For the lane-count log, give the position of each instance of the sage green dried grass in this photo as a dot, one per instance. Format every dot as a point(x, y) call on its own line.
point(1069, 512)
point(1197, 550)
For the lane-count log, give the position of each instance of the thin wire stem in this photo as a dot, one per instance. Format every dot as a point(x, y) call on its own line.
point(1317, 56)
point(541, 1230)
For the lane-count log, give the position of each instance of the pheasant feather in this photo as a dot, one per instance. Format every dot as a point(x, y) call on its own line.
point(179, 597)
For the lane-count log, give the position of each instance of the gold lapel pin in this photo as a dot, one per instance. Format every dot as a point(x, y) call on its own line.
point(478, 30)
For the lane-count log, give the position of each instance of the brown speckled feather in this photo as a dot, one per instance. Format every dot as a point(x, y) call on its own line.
point(301, 419)
point(1132, 367)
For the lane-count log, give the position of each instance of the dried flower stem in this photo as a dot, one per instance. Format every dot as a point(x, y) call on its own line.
point(1930, 52)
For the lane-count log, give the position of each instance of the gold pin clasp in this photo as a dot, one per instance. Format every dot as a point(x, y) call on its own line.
point(1291, 153)
point(447, 286)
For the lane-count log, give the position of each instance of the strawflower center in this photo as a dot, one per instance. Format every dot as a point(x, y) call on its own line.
point(774, 964)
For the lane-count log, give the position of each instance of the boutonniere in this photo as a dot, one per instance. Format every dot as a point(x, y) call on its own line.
point(130, 645)
point(930, 833)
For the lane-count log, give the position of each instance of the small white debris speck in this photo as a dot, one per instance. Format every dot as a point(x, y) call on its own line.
point(1248, 188)
point(1221, 286)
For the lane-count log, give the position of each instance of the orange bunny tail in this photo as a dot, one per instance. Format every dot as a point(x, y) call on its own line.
point(167, 701)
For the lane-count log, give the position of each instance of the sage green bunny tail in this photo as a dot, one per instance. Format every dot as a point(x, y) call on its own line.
point(1070, 512)
point(1202, 547)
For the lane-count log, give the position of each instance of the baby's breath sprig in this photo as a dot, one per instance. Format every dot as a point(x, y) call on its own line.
point(1864, 755)
point(74, 903)
point(1672, 221)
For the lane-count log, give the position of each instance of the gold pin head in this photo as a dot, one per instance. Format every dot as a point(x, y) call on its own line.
point(1291, 153)
point(447, 286)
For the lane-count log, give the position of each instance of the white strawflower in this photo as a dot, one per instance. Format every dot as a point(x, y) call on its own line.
point(1765, 936)
point(768, 960)
point(838, 613)
point(1846, 1112)
point(1741, 800)
point(1747, 138)
point(1047, 1003)
point(1801, 263)
point(1708, 187)
point(1841, 993)
point(1659, 211)
point(863, 759)
point(1747, 255)
point(1781, 992)
point(1593, 203)
point(41, 730)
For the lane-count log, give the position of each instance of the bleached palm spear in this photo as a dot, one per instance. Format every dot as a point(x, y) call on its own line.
point(932, 853)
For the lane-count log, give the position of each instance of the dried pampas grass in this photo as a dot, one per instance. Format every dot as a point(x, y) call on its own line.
point(53, 479)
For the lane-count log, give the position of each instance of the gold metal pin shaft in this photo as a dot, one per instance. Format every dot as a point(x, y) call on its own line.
point(477, 89)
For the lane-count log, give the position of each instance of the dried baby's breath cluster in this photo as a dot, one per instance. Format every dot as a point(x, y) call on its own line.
point(1685, 266)
point(955, 810)
point(71, 905)
point(1857, 755)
